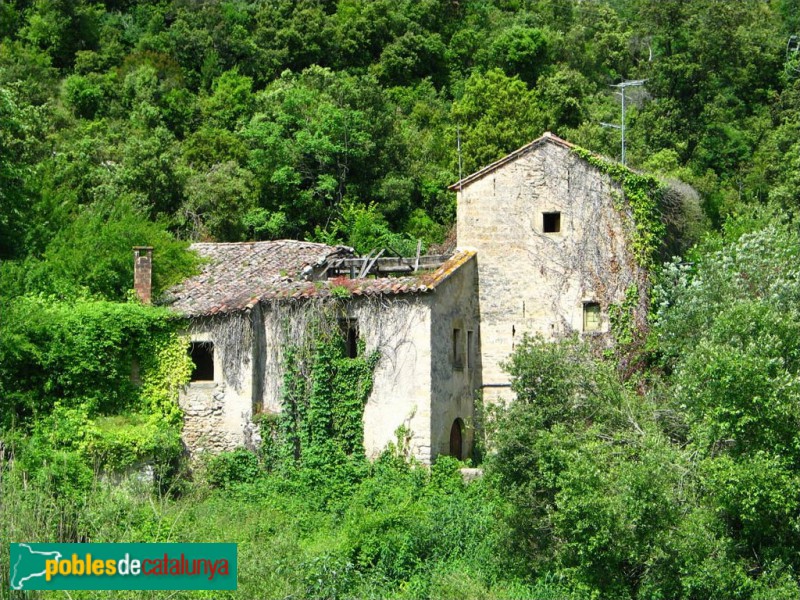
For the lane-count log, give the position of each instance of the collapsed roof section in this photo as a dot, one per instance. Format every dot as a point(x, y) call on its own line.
point(236, 276)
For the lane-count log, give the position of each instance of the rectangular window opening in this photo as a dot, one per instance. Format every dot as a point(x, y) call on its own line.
point(202, 355)
point(349, 329)
point(551, 222)
point(458, 349)
point(470, 349)
point(591, 316)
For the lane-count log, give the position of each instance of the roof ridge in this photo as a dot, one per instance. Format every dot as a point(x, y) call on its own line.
point(547, 136)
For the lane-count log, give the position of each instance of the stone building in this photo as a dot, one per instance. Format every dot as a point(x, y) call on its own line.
point(552, 241)
point(542, 248)
point(252, 300)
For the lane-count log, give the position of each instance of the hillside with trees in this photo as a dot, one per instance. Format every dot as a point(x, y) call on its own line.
point(162, 122)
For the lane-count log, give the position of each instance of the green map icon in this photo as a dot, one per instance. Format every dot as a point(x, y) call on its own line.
point(28, 564)
point(123, 566)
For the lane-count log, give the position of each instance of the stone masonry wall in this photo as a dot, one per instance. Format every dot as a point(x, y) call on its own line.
point(536, 282)
point(217, 414)
point(454, 386)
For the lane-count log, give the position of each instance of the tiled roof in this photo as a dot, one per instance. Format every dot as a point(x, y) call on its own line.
point(546, 137)
point(235, 273)
point(380, 286)
point(238, 276)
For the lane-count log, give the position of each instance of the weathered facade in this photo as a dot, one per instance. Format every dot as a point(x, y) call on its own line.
point(552, 249)
point(242, 324)
point(542, 249)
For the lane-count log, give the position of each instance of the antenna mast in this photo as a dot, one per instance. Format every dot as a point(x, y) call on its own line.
point(621, 126)
point(458, 148)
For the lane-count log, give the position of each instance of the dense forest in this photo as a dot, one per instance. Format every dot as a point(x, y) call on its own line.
point(163, 122)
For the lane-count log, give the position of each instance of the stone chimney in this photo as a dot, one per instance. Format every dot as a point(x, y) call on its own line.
point(143, 272)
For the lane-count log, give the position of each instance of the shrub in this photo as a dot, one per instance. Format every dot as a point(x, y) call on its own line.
point(231, 468)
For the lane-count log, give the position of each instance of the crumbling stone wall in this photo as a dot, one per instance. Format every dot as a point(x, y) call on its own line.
point(217, 415)
point(415, 387)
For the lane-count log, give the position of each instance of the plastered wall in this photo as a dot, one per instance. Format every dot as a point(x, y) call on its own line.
point(217, 414)
point(455, 379)
point(399, 329)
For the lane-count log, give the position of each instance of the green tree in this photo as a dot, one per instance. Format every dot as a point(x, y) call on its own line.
point(93, 254)
point(231, 101)
point(366, 230)
point(594, 482)
point(63, 27)
point(18, 151)
point(522, 52)
point(496, 115)
point(315, 140)
point(217, 202)
point(729, 326)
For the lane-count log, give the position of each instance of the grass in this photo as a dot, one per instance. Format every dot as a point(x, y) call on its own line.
point(402, 532)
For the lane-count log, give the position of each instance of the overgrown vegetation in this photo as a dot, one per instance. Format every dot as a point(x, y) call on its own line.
point(324, 394)
point(340, 120)
point(158, 122)
point(90, 386)
point(679, 483)
point(642, 205)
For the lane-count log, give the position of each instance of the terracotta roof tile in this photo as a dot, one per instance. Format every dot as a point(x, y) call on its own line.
point(238, 276)
point(234, 274)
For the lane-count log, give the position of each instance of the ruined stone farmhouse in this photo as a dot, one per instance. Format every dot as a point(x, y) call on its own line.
point(543, 247)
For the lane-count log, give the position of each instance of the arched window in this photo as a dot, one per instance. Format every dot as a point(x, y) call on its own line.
point(457, 439)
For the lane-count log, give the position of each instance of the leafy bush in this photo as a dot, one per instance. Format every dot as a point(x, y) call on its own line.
point(121, 442)
point(665, 486)
point(229, 468)
point(82, 353)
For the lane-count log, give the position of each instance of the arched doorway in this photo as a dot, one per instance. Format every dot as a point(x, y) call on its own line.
point(457, 439)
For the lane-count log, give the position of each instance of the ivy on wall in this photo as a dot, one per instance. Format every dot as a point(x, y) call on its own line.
point(642, 196)
point(324, 394)
point(640, 207)
point(96, 379)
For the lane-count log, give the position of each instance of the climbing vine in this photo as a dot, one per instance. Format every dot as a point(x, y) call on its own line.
point(166, 370)
point(103, 385)
point(621, 315)
point(640, 206)
point(642, 196)
point(323, 398)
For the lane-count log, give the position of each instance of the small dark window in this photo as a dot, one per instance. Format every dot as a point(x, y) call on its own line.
point(591, 316)
point(349, 329)
point(458, 349)
point(551, 222)
point(470, 349)
point(202, 354)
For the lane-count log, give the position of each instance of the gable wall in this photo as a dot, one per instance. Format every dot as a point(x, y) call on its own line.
point(536, 282)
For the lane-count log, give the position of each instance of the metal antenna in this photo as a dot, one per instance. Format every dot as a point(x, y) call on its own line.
point(458, 147)
point(621, 126)
point(792, 48)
